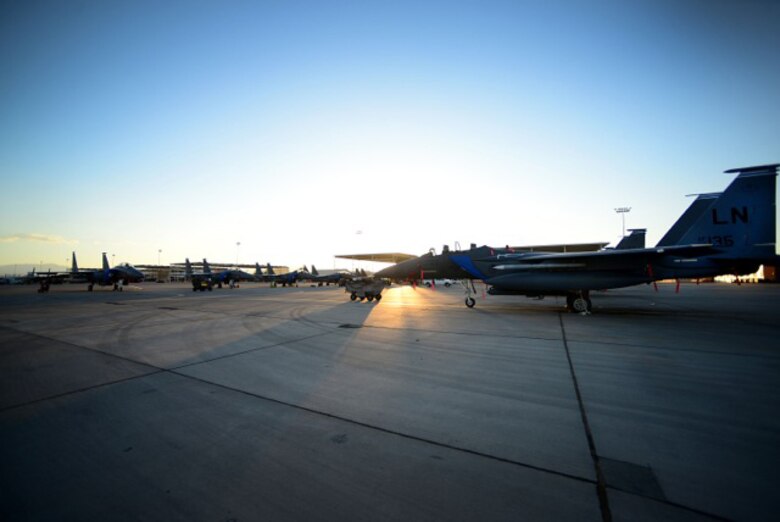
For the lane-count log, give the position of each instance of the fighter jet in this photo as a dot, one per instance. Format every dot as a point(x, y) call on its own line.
point(124, 274)
point(730, 233)
point(230, 276)
point(286, 279)
point(326, 279)
point(200, 280)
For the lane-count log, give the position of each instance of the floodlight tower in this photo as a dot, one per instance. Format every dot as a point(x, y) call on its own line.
point(623, 211)
point(238, 244)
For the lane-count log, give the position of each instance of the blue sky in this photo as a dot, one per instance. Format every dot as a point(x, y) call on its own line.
point(129, 127)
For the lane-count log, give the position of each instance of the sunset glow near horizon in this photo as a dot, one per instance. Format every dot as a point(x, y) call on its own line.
point(304, 130)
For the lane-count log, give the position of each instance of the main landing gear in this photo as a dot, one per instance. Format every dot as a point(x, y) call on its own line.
point(579, 303)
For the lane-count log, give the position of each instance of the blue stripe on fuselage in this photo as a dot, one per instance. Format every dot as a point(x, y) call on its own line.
point(467, 264)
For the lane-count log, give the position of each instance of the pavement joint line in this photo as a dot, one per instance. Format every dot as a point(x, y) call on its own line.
point(672, 504)
point(601, 484)
point(74, 345)
point(387, 430)
point(79, 390)
point(251, 350)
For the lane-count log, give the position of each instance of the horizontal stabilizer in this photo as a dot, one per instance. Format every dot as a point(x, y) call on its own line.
point(760, 169)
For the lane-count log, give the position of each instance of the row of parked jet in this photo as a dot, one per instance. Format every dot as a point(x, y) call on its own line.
point(207, 279)
point(728, 233)
point(124, 274)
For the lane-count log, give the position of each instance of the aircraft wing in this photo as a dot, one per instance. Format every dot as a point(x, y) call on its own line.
point(383, 257)
point(50, 276)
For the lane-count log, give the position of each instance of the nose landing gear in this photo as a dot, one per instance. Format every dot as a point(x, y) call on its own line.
point(468, 285)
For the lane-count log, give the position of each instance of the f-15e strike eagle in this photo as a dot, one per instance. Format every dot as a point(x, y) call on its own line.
point(117, 276)
point(728, 233)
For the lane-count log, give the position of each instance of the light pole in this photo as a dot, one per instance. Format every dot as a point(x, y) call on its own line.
point(238, 244)
point(159, 251)
point(623, 211)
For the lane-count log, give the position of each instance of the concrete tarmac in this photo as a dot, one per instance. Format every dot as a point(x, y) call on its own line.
point(265, 403)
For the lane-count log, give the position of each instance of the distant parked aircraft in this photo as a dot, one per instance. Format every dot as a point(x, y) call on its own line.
point(124, 273)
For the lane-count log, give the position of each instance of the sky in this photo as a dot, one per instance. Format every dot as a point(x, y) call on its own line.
point(304, 130)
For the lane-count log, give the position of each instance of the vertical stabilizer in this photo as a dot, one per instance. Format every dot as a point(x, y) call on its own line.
point(314, 271)
point(206, 267)
point(688, 218)
point(741, 222)
point(106, 266)
point(258, 271)
point(636, 239)
point(269, 269)
point(187, 267)
point(74, 267)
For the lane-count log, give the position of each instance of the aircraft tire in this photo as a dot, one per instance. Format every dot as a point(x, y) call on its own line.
point(378, 297)
point(370, 298)
point(352, 296)
point(470, 302)
point(580, 305)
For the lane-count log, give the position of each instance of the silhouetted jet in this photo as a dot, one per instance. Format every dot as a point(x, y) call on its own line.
point(124, 273)
point(286, 279)
point(334, 277)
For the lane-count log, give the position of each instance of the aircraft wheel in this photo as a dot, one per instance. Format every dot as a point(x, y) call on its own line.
point(352, 296)
point(580, 305)
point(370, 298)
point(361, 298)
point(378, 298)
point(470, 302)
